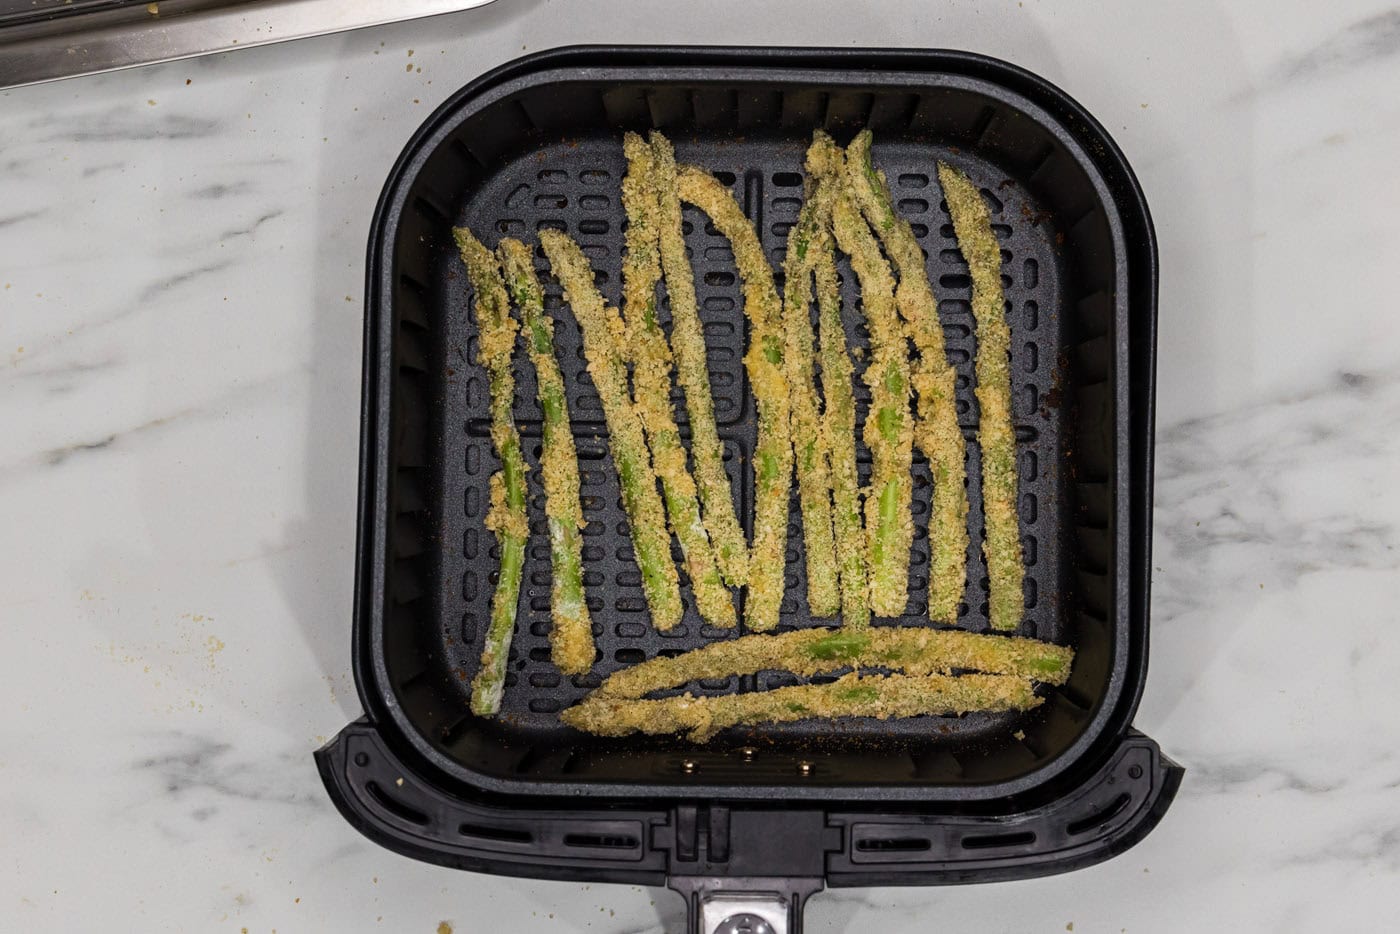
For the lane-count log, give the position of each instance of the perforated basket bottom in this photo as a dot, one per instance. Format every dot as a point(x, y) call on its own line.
point(573, 186)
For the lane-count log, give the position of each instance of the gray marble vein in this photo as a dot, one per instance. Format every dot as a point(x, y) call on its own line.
point(128, 125)
point(250, 392)
point(217, 191)
point(1358, 45)
point(176, 280)
point(11, 220)
point(61, 373)
point(249, 229)
point(59, 455)
point(147, 299)
point(102, 168)
point(193, 768)
point(1250, 496)
point(1371, 849)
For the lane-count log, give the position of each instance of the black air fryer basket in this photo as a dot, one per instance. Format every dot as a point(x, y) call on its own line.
point(759, 818)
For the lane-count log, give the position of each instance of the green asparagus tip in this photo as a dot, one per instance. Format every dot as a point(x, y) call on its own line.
point(877, 181)
point(821, 153)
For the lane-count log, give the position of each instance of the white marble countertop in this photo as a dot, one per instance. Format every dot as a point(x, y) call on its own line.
point(180, 299)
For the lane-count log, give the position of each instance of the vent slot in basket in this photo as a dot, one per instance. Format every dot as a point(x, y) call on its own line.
point(498, 834)
point(601, 841)
point(894, 845)
point(995, 841)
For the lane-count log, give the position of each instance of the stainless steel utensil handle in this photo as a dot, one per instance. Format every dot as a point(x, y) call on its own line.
point(42, 47)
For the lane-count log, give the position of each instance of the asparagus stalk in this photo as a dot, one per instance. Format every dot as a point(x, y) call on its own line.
point(854, 695)
point(839, 428)
point(764, 362)
point(1002, 540)
point(571, 638)
point(839, 416)
point(889, 526)
point(646, 349)
point(808, 440)
point(688, 347)
point(913, 650)
point(936, 428)
point(506, 517)
point(603, 335)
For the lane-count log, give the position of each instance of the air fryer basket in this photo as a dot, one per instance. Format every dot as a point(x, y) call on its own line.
point(536, 144)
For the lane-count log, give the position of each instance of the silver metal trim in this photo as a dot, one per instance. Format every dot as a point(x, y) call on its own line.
point(164, 31)
point(744, 912)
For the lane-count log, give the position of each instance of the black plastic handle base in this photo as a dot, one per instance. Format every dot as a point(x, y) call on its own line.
point(1109, 811)
point(714, 854)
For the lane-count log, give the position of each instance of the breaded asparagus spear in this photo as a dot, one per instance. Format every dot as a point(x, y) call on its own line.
point(603, 334)
point(936, 429)
point(839, 427)
point(913, 650)
point(854, 695)
point(506, 517)
point(571, 638)
point(808, 440)
point(889, 525)
point(692, 369)
point(646, 349)
point(772, 463)
point(839, 416)
point(1002, 540)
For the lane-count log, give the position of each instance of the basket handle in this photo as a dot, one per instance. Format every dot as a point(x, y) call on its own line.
point(757, 905)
